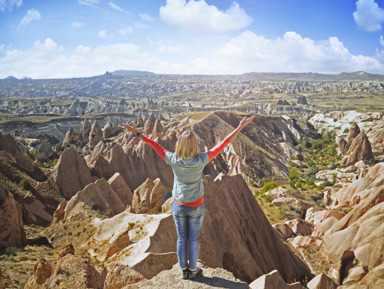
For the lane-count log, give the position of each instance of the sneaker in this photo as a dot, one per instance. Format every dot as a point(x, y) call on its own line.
point(193, 274)
point(185, 274)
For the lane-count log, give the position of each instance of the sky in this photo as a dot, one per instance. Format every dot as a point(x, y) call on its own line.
point(82, 38)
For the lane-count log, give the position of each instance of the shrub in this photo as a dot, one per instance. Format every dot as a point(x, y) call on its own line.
point(32, 154)
point(270, 185)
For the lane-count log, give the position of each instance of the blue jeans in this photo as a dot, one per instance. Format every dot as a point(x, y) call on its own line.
point(188, 222)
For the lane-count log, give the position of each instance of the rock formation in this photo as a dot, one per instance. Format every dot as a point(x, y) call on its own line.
point(302, 100)
point(354, 131)
point(349, 242)
point(95, 135)
point(321, 281)
point(11, 222)
point(273, 280)
point(8, 144)
point(111, 197)
point(149, 124)
point(150, 196)
point(232, 217)
point(72, 138)
point(360, 150)
point(71, 173)
point(111, 130)
point(70, 272)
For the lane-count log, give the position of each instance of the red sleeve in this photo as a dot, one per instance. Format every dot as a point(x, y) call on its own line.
point(157, 147)
point(214, 152)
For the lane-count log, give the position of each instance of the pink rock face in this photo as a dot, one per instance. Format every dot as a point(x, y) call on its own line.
point(232, 217)
point(298, 226)
point(11, 222)
point(354, 131)
point(150, 196)
point(360, 150)
point(356, 240)
point(71, 174)
point(273, 280)
point(8, 144)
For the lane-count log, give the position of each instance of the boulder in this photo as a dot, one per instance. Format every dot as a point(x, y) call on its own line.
point(273, 280)
point(71, 174)
point(299, 226)
point(360, 150)
point(285, 230)
point(11, 221)
point(41, 272)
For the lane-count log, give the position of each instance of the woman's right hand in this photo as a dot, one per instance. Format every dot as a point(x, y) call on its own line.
point(131, 127)
point(245, 121)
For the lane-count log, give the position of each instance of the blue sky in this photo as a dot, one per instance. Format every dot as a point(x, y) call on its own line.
point(78, 38)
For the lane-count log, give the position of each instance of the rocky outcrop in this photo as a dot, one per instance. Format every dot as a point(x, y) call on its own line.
point(120, 276)
point(348, 243)
point(70, 272)
point(354, 131)
point(8, 144)
point(111, 130)
point(360, 150)
point(232, 217)
point(111, 197)
point(150, 196)
point(11, 222)
point(273, 280)
point(95, 135)
point(149, 124)
point(321, 281)
point(72, 138)
point(302, 100)
point(71, 173)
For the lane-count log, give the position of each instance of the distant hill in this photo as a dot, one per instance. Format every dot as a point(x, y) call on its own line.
point(132, 73)
point(309, 76)
point(10, 78)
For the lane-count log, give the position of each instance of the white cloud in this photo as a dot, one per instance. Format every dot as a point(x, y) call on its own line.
point(368, 15)
point(77, 25)
point(381, 40)
point(32, 15)
point(114, 6)
point(102, 34)
point(146, 17)
point(199, 16)
point(292, 53)
point(169, 49)
point(8, 4)
point(126, 31)
point(50, 60)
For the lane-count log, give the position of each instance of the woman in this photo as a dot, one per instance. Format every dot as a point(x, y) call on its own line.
point(188, 193)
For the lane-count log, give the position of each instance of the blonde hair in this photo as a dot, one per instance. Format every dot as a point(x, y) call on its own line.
point(186, 146)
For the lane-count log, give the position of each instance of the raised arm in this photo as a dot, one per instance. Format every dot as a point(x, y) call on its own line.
point(214, 152)
point(157, 147)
